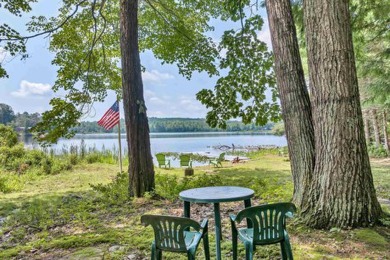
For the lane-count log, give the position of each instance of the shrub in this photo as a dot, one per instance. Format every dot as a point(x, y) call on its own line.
point(379, 152)
point(11, 157)
point(92, 157)
point(116, 192)
point(8, 137)
point(169, 186)
point(278, 129)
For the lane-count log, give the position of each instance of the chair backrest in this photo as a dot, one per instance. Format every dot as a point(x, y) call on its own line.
point(185, 160)
point(221, 157)
point(169, 231)
point(269, 221)
point(160, 158)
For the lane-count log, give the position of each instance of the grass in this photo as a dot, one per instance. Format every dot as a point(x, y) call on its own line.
point(62, 216)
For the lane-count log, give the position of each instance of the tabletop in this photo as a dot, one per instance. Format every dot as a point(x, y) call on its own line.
point(216, 194)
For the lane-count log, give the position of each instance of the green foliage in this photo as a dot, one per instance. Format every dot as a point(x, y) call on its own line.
point(25, 121)
point(371, 237)
point(116, 192)
point(169, 186)
point(278, 129)
point(242, 92)
point(10, 40)
point(10, 157)
point(8, 136)
point(57, 121)
point(379, 152)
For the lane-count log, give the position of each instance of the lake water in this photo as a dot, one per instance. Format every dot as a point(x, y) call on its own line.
point(202, 143)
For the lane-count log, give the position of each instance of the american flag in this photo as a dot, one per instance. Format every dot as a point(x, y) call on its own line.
point(111, 117)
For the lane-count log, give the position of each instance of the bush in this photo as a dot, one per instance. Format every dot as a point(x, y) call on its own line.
point(11, 157)
point(8, 137)
point(116, 192)
point(169, 186)
point(278, 129)
point(379, 152)
point(92, 157)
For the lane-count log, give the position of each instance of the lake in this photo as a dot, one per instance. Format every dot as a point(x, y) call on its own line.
point(199, 142)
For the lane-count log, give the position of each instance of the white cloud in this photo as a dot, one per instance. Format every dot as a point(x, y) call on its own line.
point(157, 101)
point(156, 76)
point(31, 89)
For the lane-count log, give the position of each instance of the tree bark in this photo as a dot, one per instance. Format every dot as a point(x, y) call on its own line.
point(366, 127)
point(342, 192)
point(141, 169)
point(385, 136)
point(374, 118)
point(294, 97)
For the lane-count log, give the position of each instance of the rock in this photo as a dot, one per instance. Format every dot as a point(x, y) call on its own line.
point(131, 257)
point(115, 248)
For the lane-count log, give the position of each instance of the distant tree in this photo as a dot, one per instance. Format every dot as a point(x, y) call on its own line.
point(6, 114)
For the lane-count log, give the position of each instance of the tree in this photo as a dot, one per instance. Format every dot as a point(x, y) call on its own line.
point(85, 37)
point(338, 154)
point(6, 114)
point(294, 97)
point(341, 192)
point(141, 169)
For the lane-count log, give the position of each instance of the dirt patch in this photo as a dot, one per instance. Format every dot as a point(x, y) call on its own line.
point(381, 161)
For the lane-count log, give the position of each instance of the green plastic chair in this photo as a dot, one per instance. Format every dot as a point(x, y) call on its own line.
point(185, 160)
point(162, 161)
point(267, 225)
point(173, 234)
point(218, 161)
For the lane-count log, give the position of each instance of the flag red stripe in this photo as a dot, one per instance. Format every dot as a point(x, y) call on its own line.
point(110, 118)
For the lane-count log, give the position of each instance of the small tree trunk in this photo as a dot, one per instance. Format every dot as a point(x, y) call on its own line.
point(141, 169)
point(366, 126)
point(374, 118)
point(385, 136)
point(342, 193)
point(294, 97)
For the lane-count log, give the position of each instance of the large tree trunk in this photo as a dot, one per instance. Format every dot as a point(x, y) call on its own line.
point(141, 170)
point(342, 193)
point(374, 118)
point(385, 136)
point(294, 97)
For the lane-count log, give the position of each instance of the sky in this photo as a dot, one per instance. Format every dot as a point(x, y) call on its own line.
point(167, 94)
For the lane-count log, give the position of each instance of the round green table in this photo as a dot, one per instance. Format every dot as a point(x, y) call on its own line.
point(215, 195)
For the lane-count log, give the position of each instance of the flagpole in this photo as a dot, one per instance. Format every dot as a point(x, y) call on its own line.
point(119, 141)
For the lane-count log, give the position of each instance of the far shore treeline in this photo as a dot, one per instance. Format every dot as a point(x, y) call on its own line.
point(22, 122)
point(170, 125)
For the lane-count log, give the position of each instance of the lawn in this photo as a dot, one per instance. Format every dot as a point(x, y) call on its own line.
point(62, 217)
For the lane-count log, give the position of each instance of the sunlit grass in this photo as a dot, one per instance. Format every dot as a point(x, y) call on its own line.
point(61, 216)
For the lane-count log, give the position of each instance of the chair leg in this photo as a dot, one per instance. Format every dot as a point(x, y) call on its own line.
point(283, 250)
point(234, 241)
point(159, 254)
point(206, 247)
point(287, 247)
point(153, 256)
point(190, 256)
point(248, 252)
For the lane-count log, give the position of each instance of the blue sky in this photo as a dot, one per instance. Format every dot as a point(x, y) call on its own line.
point(167, 94)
